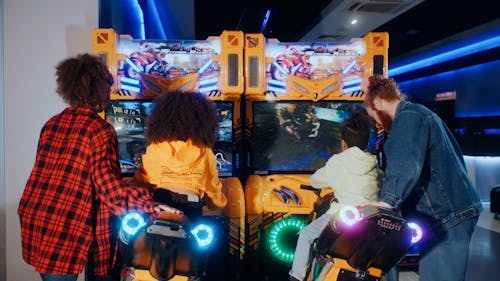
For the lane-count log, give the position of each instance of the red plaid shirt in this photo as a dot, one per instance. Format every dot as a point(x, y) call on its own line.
point(73, 192)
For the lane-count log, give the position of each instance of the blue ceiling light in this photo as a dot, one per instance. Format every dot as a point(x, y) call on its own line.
point(264, 22)
point(470, 46)
point(140, 16)
point(153, 27)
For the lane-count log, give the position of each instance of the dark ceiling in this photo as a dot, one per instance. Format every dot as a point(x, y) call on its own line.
point(427, 22)
point(287, 22)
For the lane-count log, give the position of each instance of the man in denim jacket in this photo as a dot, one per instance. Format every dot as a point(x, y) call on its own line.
point(426, 173)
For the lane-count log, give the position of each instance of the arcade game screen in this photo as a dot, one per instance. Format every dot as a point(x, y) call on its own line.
point(128, 117)
point(298, 136)
point(223, 148)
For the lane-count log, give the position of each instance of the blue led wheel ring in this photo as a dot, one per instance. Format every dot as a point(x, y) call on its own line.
point(416, 232)
point(203, 234)
point(132, 222)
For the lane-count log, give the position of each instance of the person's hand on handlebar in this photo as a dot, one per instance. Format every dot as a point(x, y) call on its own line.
point(165, 208)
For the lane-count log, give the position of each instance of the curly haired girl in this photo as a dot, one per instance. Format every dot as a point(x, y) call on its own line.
point(179, 162)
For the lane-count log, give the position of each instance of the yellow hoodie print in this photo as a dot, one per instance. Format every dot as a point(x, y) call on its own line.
point(180, 164)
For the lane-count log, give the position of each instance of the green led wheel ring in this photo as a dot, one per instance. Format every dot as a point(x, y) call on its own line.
point(275, 238)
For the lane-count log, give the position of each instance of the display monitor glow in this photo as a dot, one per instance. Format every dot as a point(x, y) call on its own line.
point(128, 117)
point(223, 148)
point(298, 136)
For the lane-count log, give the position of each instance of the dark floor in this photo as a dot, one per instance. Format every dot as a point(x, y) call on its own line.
point(484, 257)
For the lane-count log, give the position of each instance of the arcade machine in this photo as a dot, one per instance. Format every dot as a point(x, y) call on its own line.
point(296, 96)
point(144, 69)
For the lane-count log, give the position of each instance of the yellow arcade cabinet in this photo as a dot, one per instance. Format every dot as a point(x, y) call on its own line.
point(296, 94)
point(144, 69)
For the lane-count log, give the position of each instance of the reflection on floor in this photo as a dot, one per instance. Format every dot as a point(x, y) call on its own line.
point(484, 258)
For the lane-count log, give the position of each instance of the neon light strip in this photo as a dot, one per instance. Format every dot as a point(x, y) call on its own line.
point(132, 64)
point(447, 56)
point(140, 15)
point(279, 90)
point(205, 66)
point(156, 18)
point(353, 63)
point(208, 89)
point(264, 23)
point(130, 88)
point(285, 71)
point(276, 82)
point(491, 131)
point(352, 82)
point(129, 80)
point(208, 81)
point(351, 89)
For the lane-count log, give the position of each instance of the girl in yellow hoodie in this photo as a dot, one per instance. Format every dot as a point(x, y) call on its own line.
point(179, 163)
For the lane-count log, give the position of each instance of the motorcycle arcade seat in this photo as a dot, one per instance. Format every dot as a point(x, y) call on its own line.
point(361, 251)
point(166, 248)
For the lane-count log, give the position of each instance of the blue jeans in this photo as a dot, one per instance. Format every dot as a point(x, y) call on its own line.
point(393, 274)
point(59, 277)
point(306, 238)
point(445, 256)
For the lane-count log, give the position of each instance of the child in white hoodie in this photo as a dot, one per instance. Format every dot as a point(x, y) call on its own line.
point(354, 177)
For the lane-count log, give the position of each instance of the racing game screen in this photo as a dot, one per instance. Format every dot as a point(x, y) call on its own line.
point(128, 117)
point(298, 136)
point(129, 120)
point(223, 148)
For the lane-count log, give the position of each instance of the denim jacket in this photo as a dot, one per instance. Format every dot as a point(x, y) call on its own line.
point(424, 159)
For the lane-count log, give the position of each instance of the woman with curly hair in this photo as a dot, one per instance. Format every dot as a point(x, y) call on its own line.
point(179, 162)
point(75, 190)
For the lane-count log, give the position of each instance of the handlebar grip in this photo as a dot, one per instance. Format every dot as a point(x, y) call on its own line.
point(307, 187)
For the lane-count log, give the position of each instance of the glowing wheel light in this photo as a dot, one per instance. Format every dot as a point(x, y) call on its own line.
point(204, 235)
point(132, 222)
point(416, 232)
point(349, 215)
point(279, 232)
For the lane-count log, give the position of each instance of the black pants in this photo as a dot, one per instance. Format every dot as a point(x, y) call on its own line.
point(179, 201)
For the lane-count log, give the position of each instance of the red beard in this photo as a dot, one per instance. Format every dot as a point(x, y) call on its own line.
point(385, 119)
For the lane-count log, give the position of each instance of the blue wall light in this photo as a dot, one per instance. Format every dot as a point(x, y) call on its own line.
point(469, 46)
point(476, 89)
